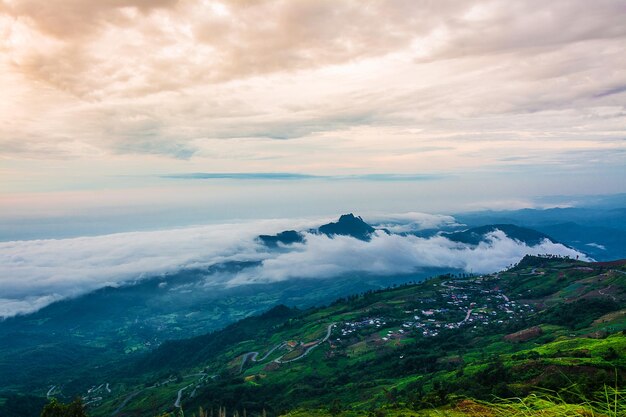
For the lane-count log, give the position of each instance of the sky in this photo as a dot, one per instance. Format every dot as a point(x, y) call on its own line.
point(119, 109)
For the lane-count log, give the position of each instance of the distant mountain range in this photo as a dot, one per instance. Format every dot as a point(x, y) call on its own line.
point(599, 231)
point(356, 227)
point(475, 235)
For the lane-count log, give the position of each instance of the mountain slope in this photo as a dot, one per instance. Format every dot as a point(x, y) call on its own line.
point(105, 329)
point(548, 322)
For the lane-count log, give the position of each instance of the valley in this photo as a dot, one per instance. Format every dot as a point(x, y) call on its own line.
point(395, 347)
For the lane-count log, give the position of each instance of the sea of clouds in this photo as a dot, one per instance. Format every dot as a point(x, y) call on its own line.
point(35, 273)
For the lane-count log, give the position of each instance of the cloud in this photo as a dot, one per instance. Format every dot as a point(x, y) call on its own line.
point(597, 245)
point(204, 80)
point(387, 254)
point(492, 26)
point(168, 45)
point(412, 221)
point(38, 272)
point(296, 176)
point(69, 267)
point(11, 306)
point(209, 41)
point(72, 19)
point(242, 176)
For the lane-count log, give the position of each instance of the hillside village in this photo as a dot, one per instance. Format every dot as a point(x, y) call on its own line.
point(471, 302)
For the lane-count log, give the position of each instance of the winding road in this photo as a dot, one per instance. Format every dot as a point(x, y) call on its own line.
point(310, 348)
point(252, 356)
point(467, 316)
point(134, 394)
point(123, 404)
point(180, 396)
point(607, 295)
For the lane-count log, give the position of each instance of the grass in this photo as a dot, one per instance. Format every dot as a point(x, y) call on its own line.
point(611, 402)
point(595, 347)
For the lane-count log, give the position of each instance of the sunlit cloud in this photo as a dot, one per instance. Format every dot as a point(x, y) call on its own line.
point(182, 78)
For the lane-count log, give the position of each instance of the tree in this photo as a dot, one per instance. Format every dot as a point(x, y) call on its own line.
point(58, 409)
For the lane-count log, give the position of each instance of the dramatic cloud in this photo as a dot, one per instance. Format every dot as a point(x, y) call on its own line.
point(35, 273)
point(100, 48)
point(364, 86)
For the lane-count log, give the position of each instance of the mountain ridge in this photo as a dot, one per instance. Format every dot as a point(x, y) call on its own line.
point(475, 235)
point(346, 225)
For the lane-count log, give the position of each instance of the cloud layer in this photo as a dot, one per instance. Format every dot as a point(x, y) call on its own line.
point(36, 273)
point(387, 254)
point(314, 86)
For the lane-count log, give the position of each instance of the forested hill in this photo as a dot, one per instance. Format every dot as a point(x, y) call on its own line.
point(547, 323)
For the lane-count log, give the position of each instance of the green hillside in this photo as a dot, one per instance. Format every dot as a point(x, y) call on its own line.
point(548, 325)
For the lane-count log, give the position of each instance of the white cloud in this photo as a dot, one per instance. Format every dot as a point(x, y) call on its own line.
point(412, 221)
point(34, 269)
point(596, 245)
point(385, 254)
point(12, 306)
point(35, 273)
